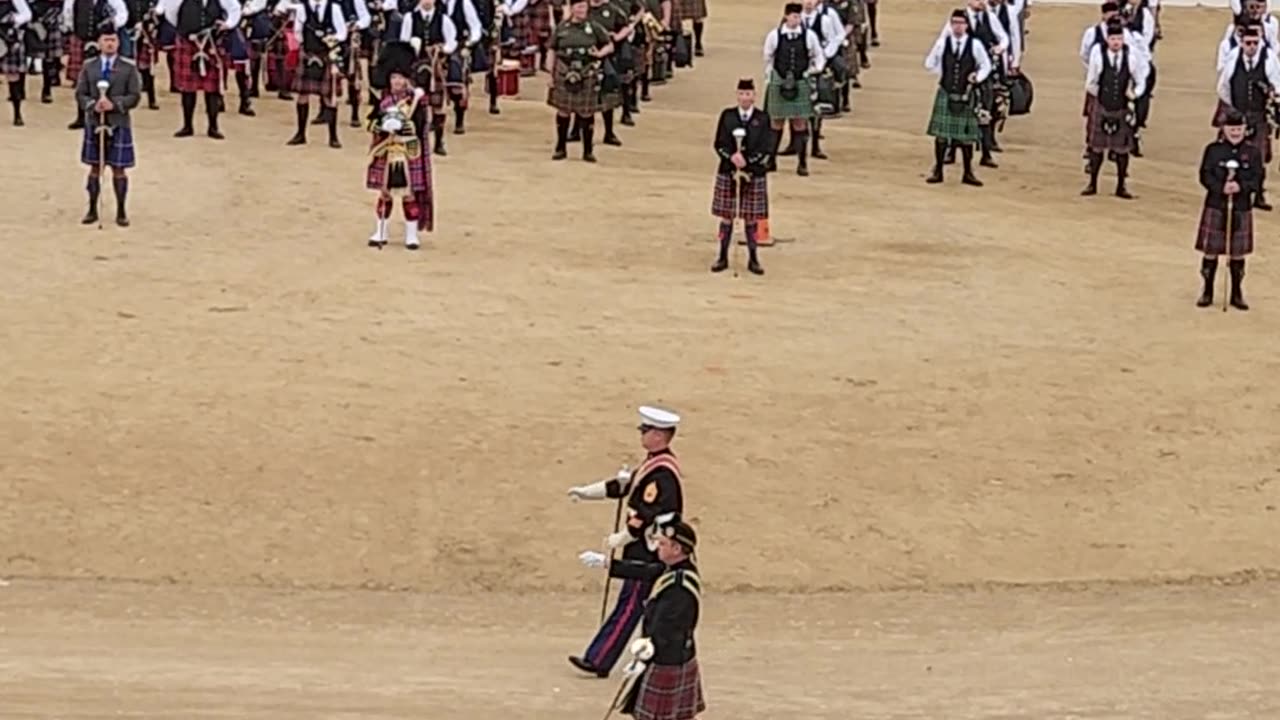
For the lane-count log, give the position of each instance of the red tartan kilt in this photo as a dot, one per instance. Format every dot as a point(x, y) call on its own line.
point(532, 25)
point(670, 692)
point(75, 57)
point(419, 175)
point(145, 57)
point(755, 199)
point(326, 88)
point(186, 77)
point(274, 62)
point(1211, 236)
point(1120, 141)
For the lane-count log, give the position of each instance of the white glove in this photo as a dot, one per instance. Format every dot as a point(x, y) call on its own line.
point(633, 668)
point(617, 540)
point(624, 475)
point(418, 93)
point(642, 648)
point(416, 42)
point(594, 491)
point(592, 559)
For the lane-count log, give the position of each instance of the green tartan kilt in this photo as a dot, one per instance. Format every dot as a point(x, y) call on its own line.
point(959, 127)
point(782, 109)
point(611, 101)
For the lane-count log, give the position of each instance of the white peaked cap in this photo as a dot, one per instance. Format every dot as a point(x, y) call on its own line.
point(658, 418)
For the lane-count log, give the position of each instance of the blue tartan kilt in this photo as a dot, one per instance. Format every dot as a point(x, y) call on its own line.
point(959, 125)
point(119, 144)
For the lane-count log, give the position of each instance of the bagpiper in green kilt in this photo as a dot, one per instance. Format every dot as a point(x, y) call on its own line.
point(958, 124)
point(779, 108)
point(581, 99)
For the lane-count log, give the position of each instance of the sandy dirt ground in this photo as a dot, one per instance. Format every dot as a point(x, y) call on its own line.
point(932, 387)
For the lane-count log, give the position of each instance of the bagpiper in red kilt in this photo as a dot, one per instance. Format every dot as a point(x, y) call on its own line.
point(670, 692)
point(417, 195)
point(755, 198)
point(188, 78)
point(1259, 128)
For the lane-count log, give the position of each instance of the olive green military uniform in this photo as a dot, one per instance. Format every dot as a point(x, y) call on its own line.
point(577, 73)
point(615, 74)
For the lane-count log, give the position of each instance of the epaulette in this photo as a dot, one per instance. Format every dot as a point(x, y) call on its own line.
point(687, 579)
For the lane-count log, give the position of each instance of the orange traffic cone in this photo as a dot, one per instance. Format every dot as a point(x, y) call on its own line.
point(763, 237)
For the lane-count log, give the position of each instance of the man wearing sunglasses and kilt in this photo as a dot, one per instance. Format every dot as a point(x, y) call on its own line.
point(87, 19)
point(1116, 76)
point(663, 680)
point(200, 61)
point(650, 491)
point(1247, 82)
point(961, 63)
point(578, 46)
point(793, 56)
point(14, 14)
point(322, 29)
point(745, 197)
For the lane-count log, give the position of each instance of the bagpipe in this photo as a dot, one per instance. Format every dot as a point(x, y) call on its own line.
point(429, 70)
point(206, 44)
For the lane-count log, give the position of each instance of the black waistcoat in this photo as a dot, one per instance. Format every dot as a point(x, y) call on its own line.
point(1249, 87)
point(315, 28)
point(982, 29)
point(1114, 84)
point(486, 9)
point(459, 18)
point(429, 34)
point(88, 16)
point(792, 55)
point(956, 69)
point(198, 15)
point(817, 27)
point(1002, 14)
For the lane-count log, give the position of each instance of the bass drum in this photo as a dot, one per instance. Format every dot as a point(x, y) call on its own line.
point(1021, 95)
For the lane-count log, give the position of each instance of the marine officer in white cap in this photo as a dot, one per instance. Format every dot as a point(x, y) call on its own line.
point(653, 489)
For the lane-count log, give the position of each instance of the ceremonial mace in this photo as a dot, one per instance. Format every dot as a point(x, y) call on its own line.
point(740, 186)
point(617, 522)
point(102, 148)
point(1231, 166)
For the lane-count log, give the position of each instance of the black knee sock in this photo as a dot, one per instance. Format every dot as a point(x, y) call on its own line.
point(608, 123)
point(491, 87)
point(1122, 169)
point(750, 228)
point(644, 85)
point(437, 132)
point(212, 106)
point(255, 76)
point(188, 109)
point(698, 26)
point(1095, 167)
point(939, 153)
point(242, 86)
point(871, 19)
point(801, 140)
point(173, 84)
point(459, 116)
point(302, 110)
point(94, 186)
point(726, 237)
point(588, 135)
point(966, 151)
point(562, 132)
point(121, 185)
point(149, 86)
point(46, 86)
point(17, 92)
point(816, 134)
point(332, 122)
point(988, 137)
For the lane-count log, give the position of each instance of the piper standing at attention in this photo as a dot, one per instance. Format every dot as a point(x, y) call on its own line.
point(13, 60)
point(744, 142)
point(321, 29)
point(664, 678)
point(653, 489)
point(578, 46)
point(792, 56)
point(961, 64)
point(200, 65)
point(1230, 172)
point(108, 89)
point(398, 163)
point(1117, 75)
point(87, 19)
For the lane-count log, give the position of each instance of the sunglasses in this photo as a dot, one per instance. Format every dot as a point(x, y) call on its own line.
point(1249, 43)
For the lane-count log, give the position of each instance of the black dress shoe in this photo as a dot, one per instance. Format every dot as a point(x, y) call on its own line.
point(89, 218)
point(297, 139)
point(971, 179)
point(588, 157)
point(215, 134)
point(122, 221)
point(184, 132)
point(1261, 203)
point(935, 177)
point(612, 140)
point(1123, 194)
point(586, 667)
point(720, 265)
point(1090, 190)
point(559, 155)
point(1237, 302)
point(753, 266)
point(335, 144)
point(818, 155)
point(1205, 300)
point(988, 163)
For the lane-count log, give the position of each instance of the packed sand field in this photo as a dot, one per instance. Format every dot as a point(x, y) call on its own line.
point(251, 469)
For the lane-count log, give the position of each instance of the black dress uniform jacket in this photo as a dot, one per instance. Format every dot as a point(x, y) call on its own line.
point(654, 490)
point(756, 146)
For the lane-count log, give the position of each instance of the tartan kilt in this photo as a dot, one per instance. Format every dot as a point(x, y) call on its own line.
point(755, 198)
point(670, 692)
point(944, 124)
point(418, 174)
point(145, 53)
point(780, 108)
point(120, 152)
point(1211, 236)
point(75, 57)
point(435, 90)
point(326, 86)
point(186, 77)
point(532, 26)
point(585, 101)
point(51, 48)
point(1261, 137)
point(1120, 142)
point(690, 9)
point(15, 63)
point(457, 73)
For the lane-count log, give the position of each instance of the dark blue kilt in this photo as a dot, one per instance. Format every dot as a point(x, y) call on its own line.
point(481, 61)
point(166, 36)
point(237, 46)
point(119, 144)
point(457, 74)
point(260, 27)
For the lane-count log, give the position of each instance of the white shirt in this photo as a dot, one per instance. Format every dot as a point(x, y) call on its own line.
point(1018, 6)
point(745, 115)
point(817, 58)
point(119, 13)
point(1270, 37)
point(1139, 69)
point(1013, 51)
point(363, 18)
point(252, 7)
point(514, 7)
point(948, 43)
point(1270, 65)
point(469, 14)
point(1087, 42)
point(447, 29)
point(21, 13)
point(1148, 28)
point(1002, 38)
point(829, 24)
point(337, 22)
